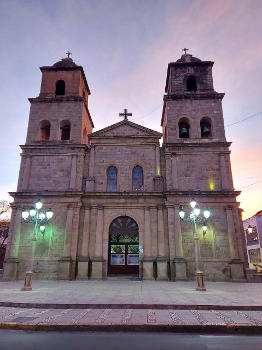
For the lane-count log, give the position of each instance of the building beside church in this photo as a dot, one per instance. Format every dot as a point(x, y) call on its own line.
point(254, 238)
point(116, 192)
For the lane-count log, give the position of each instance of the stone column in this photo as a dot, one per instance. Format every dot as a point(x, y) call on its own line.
point(11, 256)
point(97, 260)
point(236, 265)
point(26, 173)
point(174, 172)
point(229, 171)
point(92, 239)
point(161, 253)
point(171, 238)
point(169, 184)
point(74, 238)
point(86, 232)
point(157, 161)
point(153, 225)
point(90, 183)
point(240, 234)
point(54, 131)
point(92, 161)
point(65, 263)
point(179, 261)
point(223, 172)
point(148, 259)
point(73, 173)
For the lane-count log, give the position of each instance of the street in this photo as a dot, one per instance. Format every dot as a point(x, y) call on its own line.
point(25, 340)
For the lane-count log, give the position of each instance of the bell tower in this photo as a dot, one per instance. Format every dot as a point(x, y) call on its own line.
point(192, 120)
point(192, 108)
point(197, 165)
point(58, 128)
point(60, 112)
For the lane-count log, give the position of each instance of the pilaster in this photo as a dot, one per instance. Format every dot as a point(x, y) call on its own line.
point(73, 172)
point(171, 237)
point(223, 172)
point(179, 261)
point(26, 172)
point(161, 256)
point(97, 260)
point(174, 171)
point(148, 259)
point(66, 263)
point(236, 264)
point(11, 257)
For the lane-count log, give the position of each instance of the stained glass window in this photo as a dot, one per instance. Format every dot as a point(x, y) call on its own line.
point(111, 179)
point(137, 178)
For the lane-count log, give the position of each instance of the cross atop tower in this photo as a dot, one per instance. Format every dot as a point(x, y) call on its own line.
point(185, 50)
point(125, 114)
point(68, 54)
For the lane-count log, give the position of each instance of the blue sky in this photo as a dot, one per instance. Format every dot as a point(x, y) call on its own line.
point(124, 47)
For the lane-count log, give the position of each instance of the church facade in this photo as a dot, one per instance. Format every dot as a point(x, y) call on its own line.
point(116, 192)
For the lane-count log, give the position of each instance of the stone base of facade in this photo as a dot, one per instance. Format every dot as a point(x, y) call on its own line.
point(253, 276)
point(162, 269)
point(237, 270)
point(82, 268)
point(148, 268)
point(66, 268)
point(179, 264)
point(97, 268)
point(10, 269)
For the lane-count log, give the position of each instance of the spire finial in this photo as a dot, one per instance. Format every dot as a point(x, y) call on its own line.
point(185, 50)
point(68, 54)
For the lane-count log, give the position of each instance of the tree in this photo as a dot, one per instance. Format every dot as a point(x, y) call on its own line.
point(5, 214)
point(5, 211)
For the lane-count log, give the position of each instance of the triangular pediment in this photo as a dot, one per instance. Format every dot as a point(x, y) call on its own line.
point(125, 128)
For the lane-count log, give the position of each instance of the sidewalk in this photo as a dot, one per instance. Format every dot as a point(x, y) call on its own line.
point(132, 305)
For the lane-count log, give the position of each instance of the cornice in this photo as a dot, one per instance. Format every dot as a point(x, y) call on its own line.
point(55, 99)
point(194, 96)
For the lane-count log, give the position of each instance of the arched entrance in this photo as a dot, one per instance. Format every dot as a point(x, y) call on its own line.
point(123, 252)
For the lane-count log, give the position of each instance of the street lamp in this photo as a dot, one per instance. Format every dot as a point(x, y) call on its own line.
point(39, 219)
point(194, 217)
point(250, 229)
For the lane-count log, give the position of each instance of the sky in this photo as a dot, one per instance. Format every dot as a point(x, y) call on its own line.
point(124, 47)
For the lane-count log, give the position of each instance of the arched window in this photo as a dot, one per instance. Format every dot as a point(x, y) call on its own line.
point(111, 185)
point(137, 178)
point(184, 128)
point(191, 84)
point(60, 88)
point(45, 130)
point(65, 129)
point(206, 129)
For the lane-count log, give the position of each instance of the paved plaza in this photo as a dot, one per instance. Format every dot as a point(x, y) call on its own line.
point(132, 305)
point(125, 291)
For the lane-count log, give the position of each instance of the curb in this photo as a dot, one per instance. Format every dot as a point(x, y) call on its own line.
point(131, 306)
point(225, 329)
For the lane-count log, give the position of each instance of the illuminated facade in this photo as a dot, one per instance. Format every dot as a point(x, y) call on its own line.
point(116, 192)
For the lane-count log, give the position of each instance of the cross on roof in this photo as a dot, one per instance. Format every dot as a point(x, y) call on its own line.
point(68, 54)
point(185, 50)
point(125, 114)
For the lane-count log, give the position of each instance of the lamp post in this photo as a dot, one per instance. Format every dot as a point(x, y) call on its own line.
point(39, 218)
point(195, 217)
